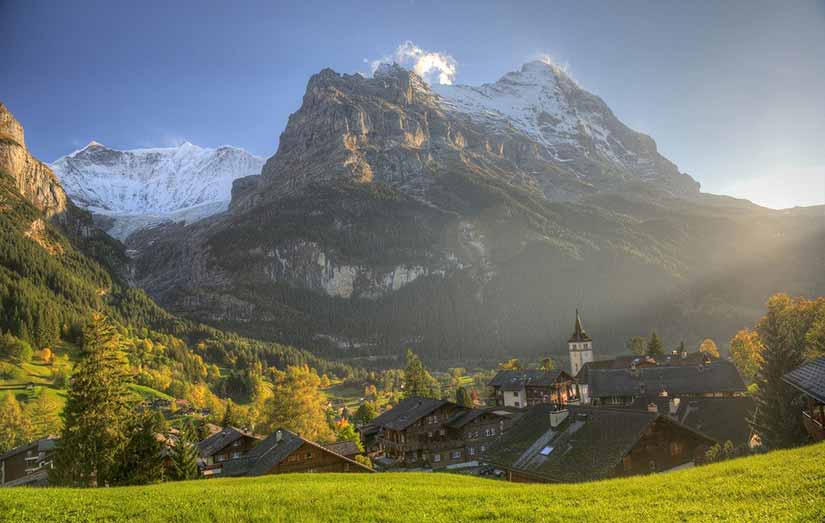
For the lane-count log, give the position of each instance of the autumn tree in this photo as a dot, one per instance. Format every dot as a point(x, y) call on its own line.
point(15, 429)
point(547, 364)
point(230, 417)
point(298, 404)
point(654, 345)
point(782, 333)
point(185, 454)
point(511, 364)
point(346, 432)
point(44, 414)
point(708, 346)
point(366, 412)
point(746, 351)
point(462, 397)
point(636, 345)
point(97, 413)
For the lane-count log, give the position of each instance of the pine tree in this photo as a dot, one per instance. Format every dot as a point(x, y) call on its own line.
point(97, 413)
point(417, 381)
point(776, 417)
point(366, 412)
point(462, 397)
point(185, 454)
point(230, 418)
point(141, 460)
point(44, 414)
point(654, 346)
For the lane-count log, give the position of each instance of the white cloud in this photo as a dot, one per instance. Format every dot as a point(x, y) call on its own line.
point(432, 66)
point(783, 188)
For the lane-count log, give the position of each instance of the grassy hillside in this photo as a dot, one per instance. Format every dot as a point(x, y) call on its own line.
point(781, 486)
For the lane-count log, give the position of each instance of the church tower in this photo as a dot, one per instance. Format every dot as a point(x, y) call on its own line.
point(580, 346)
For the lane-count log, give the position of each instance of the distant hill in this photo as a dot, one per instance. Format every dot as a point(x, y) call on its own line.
point(781, 486)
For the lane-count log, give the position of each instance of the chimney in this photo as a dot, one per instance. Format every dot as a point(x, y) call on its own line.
point(684, 355)
point(278, 436)
point(652, 407)
point(673, 406)
point(557, 416)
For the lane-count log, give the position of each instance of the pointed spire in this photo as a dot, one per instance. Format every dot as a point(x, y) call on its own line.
point(579, 333)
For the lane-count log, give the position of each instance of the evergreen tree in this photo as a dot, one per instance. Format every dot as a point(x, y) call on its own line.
point(141, 460)
point(44, 414)
point(417, 381)
point(462, 397)
point(776, 417)
point(97, 412)
point(681, 350)
point(15, 429)
point(654, 346)
point(230, 417)
point(367, 411)
point(636, 345)
point(547, 364)
point(185, 454)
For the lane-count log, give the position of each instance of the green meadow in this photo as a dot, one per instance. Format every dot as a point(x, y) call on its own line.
point(780, 486)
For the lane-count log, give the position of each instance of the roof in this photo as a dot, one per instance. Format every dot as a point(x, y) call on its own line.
point(274, 449)
point(809, 378)
point(41, 445)
point(463, 417)
point(219, 440)
point(586, 446)
point(518, 379)
point(579, 333)
point(344, 448)
point(720, 376)
point(407, 412)
point(627, 361)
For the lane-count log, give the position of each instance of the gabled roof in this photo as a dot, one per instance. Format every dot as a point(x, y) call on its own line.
point(407, 412)
point(344, 448)
point(626, 361)
point(586, 446)
point(809, 378)
point(41, 445)
point(274, 449)
point(578, 331)
point(219, 440)
point(462, 417)
point(518, 379)
point(720, 376)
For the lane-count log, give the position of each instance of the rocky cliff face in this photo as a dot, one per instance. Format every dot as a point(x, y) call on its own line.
point(467, 221)
point(35, 180)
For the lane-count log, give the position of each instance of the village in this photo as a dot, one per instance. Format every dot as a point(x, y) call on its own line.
point(604, 418)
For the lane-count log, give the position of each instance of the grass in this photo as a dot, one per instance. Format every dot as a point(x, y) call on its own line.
point(780, 486)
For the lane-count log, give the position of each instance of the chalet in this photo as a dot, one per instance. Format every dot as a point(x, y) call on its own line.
point(589, 443)
point(809, 379)
point(229, 443)
point(525, 388)
point(348, 449)
point(430, 433)
point(284, 452)
point(622, 387)
point(28, 464)
point(721, 419)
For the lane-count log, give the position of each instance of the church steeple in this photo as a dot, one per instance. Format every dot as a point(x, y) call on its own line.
point(580, 346)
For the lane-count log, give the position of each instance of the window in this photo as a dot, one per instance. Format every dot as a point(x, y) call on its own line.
point(515, 394)
point(220, 457)
point(675, 448)
point(652, 465)
point(483, 448)
point(236, 455)
point(442, 432)
point(517, 404)
point(236, 443)
point(546, 451)
point(429, 434)
point(436, 458)
point(456, 454)
point(492, 431)
point(309, 455)
point(471, 451)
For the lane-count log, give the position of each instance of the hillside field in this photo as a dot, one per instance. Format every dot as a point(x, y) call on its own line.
point(780, 486)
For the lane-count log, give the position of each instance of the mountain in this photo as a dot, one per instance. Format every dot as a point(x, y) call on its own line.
point(468, 222)
point(130, 190)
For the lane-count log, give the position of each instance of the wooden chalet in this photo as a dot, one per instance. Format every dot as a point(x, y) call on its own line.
point(809, 379)
point(525, 388)
point(622, 387)
point(284, 452)
point(589, 443)
point(28, 464)
point(430, 433)
point(228, 443)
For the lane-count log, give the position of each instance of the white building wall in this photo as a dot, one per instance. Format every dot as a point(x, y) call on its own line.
point(515, 398)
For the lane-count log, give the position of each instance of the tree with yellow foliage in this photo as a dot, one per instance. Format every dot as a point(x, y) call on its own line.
point(746, 350)
point(708, 346)
point(298, 404)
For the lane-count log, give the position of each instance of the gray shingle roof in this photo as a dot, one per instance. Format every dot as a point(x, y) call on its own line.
point(344, 448)
point(809, 378)
point(720, 376)
point(586, 446)
point(626, 361)
point(518, 379)
point(219, 440)
point(407, 412)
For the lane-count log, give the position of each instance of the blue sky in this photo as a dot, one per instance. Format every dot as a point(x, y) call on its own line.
point(732, 92)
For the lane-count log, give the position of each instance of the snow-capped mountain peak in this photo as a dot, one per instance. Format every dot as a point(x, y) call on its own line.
point(151, 185)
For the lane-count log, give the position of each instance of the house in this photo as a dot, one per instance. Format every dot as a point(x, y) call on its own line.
point(430, 433)
point(525, 388)
point(591, 443)
point(722, 419)
point(229, 443)
point(348, 449)
point(809, 379)
point(621, 387)
point(28, 464)
point(284, 452)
